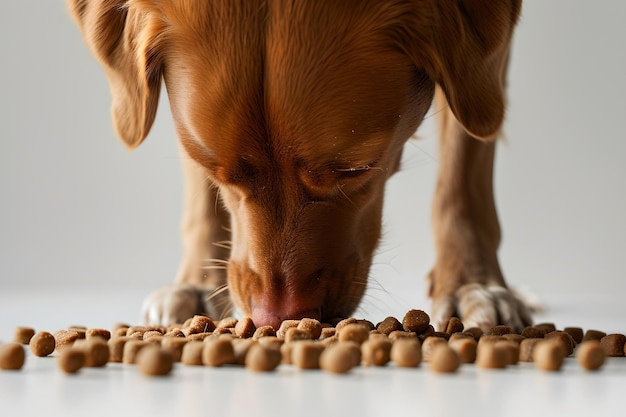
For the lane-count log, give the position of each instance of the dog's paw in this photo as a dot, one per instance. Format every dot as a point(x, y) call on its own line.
point(172, 304)
point(481, 306)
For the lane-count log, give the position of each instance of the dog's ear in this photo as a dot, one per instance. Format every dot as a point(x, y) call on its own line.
point(124, 39)
point(466, 52)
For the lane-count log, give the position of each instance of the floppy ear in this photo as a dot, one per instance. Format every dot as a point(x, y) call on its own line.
point(124, 39)
point(467, 54)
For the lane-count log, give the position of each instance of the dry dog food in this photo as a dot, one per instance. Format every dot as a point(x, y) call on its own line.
point(245, 328)
point(354, 332)
point(311, 326)
point(428, 346)
point(262, 358)
point(613, 344)
point(526, 348)
point(64, 338)
point(416, 321)
point(305, 354)
point(576, 333)
point(465, 347)
point(42, 344)
point(96, 351)
point(444, 359)
point(155, 361)
point(102, 333)
point(406, 352)
point(71, 360)
point(590, 355)
point(218, 351)
point(548, 355)
point(131, 349)
point(12, 356)
point(492, 356)
point(23, 335)
point(192, 353)
point(376, 351)
point(338, 358)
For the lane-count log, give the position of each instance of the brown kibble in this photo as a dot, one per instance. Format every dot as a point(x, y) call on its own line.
point(500, 330)
point(444, 359)
point(401, 334)
point(455, 325)
point(376, 351)
point(271, 341)
point(477, 332)
point(548, 327)
point(338, 358)
point(354, 332)
point(294, 334)
point(199, 324)
point(428, 346)
point(71, 360)
point(65, 338)
point(368, 324)
point(613, 344)
point(286, 324)
point(175, 346)
point(465, 347)
point(306, 354)
point(593, 335)
point(241, 348)
point(192, 353)
point(526, 348)
point(532, 332)
point(96, 351)
point(103, 333)
point(42, 344)
point(12, 356)
point(152, 335)
point(416, 321)
point(328, 332)
point(590, 355)
point(263, 331)
point(491, 356)
point(511, 349)
point(342, 323)
point(548, 355)
point(515, 338)
point(285, 350)
point(23, 335)
point(312, 326)
point(217, 352)
point(406, 352)
point(461, 335)
point(116, 347)
point(227, 323)
point(389, 325)
point(261, 358)
point(131, 349)
point(155, 361)
point(564, 338)
point(130, 331)
point(201, 336)
point(329, 340)
point(576, 333)
point(245, 328)
point(174, 332)
point(81, 330)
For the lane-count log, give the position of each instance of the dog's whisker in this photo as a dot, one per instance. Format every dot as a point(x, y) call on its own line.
point(217, 261)
point(225, 244)
point(217, 291)
point(211, 267)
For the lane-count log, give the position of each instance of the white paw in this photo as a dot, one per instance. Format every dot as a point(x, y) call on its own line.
point(481, 306)
point(172, 304)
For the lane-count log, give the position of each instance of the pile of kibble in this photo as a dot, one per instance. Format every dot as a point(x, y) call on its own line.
point(308, 344)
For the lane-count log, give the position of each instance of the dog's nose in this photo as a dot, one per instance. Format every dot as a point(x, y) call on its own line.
point(262, 316)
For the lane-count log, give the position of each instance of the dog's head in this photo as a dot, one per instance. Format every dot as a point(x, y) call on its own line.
point(299, 112)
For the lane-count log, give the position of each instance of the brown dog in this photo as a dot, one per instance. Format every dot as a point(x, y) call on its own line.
point(293, 114)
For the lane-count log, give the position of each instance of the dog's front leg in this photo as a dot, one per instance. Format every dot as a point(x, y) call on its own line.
point(199, 287)
point(466, 279)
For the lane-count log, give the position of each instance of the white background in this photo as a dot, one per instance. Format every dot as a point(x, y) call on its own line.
point(78, 211)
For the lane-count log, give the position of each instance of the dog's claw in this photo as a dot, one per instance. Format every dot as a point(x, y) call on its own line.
point(481, 306)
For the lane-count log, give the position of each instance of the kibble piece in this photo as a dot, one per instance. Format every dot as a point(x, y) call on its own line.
point(136, 329)
point(500, 330)
point(241, 348)
point(103, 333)
point(461, 335)
point(328, 332)
point(65, 338)
point(131, 349)
point(376, 351)
point(548, 327)
point(430, 331)
point(42, 344)
point(192, 353)
point(81, 330)
point(116, 347)
point(285, 351)
point(338, 358)
point(12, 356)
point(564, 338)
point(515, 338)
point(306, 354)
point(368, 324)
point(152, 335)
point(218, 352)
point(576, 333)
point(428, 346)
point(175, 346)
point(227, 323)
point(23, 335)
point(312, 326)
point(593, 335)
point(491, 356)
point(286, 324)
point(263, 331)
point(71, 360)
point(294, 334)
point(416, 321)
point(490, 339)
point(465, 347)
point(444, 359)
point(354, 332)
point(389, 325)
point(96, 351)
point(401, 334)
point(548, 355)
point(342, 323)
point(327, 341)
point(199, 324)
point(155, 361)
point(532, 332)
point(271, 341)
point(613, 344)
point(406, 353)
point(477, 332)
point(174, 332)
point(590, 355)
point(511, 349)
point(526, 348)
point(261, 358)
point(245, 328)
point(204, 335)
point(455, 325)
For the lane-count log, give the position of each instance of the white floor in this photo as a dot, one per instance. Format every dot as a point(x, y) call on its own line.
point(189, 391)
